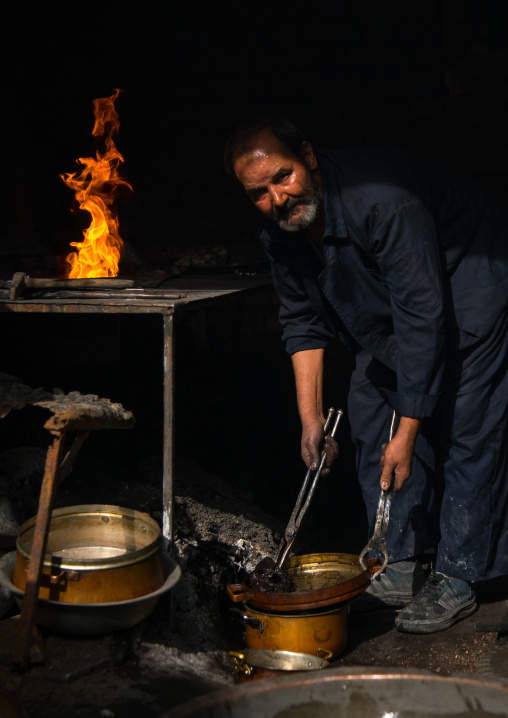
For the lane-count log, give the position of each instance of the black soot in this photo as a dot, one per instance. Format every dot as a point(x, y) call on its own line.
point(268, 579)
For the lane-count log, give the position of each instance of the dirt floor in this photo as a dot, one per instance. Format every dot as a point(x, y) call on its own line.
point(124, 675)
point(133, 672)
point(182, 649)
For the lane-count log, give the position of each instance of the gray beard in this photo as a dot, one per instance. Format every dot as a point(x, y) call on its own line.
point(310, 206)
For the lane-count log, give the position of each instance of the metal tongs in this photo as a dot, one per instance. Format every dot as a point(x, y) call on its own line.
point(306, 492)
point(378, 540)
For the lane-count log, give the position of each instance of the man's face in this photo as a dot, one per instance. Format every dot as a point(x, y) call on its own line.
point(283, 186)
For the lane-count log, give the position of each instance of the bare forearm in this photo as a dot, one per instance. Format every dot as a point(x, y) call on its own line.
point(308, 370)
point(408, 429)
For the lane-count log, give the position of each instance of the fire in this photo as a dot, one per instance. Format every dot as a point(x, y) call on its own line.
point(96, 187)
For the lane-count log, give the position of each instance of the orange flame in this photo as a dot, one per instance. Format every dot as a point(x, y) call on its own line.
point(96, 187)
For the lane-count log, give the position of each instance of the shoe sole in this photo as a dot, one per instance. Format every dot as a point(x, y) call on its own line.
point(463, 611)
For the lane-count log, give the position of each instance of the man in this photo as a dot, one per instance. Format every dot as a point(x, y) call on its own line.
point(408, 263)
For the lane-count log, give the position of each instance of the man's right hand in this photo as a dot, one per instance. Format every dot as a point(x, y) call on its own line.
point(313, 442)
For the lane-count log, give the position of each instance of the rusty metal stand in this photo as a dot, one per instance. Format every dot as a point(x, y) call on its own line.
point(29, 647)
point(78, 413)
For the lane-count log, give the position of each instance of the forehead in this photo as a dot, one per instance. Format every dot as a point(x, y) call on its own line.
point(262, 155)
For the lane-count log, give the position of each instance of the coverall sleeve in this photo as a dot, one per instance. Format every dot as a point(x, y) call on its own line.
point(302, 328)
point(406, 249)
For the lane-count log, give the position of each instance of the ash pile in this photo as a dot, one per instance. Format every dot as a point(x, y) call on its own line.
point(220, 537)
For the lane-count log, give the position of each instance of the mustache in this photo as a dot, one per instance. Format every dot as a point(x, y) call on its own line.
point(283, 213)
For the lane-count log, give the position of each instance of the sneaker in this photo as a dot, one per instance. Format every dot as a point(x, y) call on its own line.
point(442, 602)
point(395, 587)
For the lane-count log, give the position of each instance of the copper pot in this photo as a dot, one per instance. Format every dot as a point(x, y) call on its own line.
point(321, 579)
point(315, 632)
point(95, 554)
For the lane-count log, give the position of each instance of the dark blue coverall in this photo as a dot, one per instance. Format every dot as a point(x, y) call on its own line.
point(414, 278)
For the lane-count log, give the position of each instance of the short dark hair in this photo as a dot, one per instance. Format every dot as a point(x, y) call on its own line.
point(285, 131)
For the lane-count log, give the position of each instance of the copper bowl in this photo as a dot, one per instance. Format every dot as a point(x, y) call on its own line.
point(252, 664)
point(354, 693)
point(321, 579)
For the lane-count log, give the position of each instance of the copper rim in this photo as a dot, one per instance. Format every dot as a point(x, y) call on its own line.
point(302, 600)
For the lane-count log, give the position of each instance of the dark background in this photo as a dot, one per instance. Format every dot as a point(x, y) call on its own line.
point(427, 75)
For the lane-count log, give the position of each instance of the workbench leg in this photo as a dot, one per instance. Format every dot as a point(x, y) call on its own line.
point(169, 428)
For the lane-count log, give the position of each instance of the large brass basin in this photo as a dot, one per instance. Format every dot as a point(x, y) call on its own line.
point(95, 554)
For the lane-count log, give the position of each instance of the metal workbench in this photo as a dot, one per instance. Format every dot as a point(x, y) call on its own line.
point(197, 292)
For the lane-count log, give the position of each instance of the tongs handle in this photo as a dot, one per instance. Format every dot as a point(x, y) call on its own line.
point(378, 540)
point(307, 492)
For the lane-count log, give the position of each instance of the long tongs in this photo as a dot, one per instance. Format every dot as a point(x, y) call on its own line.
point(378, 540)
point(306, 492)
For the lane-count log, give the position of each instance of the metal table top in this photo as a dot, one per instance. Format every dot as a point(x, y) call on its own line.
point(198, 288)
point(197, 292)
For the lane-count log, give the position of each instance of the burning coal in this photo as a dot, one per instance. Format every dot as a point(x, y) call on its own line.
point(96, 187)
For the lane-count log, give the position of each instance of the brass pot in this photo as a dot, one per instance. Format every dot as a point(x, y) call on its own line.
point(313, 632)
point(95, 554)
point(252, 664)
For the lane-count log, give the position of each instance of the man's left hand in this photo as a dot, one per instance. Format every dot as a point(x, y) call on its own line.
point(397, 456)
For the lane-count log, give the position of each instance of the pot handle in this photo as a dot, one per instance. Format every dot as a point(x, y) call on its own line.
point(323, 653)
point(250, 620)
point(238, 592)
point(241, 665)
point(64, 576)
